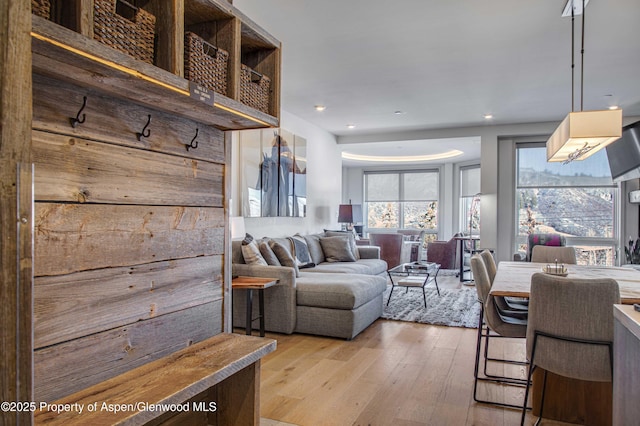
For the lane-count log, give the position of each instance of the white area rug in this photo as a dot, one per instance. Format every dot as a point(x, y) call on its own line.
point(454, 308)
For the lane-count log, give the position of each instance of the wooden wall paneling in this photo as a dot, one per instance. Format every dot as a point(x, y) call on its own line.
point(169, 53)
point(228, 293)
point(16, 278)
point(84, 171)
point(71, 306)
point(71, 366)
point(112, 120)
point(78, 237)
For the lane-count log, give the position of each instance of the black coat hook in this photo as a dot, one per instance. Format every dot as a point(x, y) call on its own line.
point(194, 142)
point(145, 132)
point(77, 119)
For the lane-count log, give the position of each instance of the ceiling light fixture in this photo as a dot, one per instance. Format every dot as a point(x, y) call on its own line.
point(351, 126)
point(488, 116)
point(320, 107)
point(614, 107)
point(398, 112)
point(583, 133)
point(402, 158)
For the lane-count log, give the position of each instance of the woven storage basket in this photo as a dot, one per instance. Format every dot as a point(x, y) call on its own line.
point(41, 8)
point(124, 27)
point(205, 64)
point(254, 91)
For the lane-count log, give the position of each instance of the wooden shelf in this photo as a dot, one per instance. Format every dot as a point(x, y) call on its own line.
point(65, 54)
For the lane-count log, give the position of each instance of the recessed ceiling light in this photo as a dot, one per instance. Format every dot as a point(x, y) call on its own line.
point(351, 126)
point(320, 107)
point(398, 112)
point(405, 158)
point(488, 116)
point(612, 107)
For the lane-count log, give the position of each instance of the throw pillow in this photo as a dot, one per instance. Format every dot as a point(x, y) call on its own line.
point(315, 249)
point(251, 252)
point(337, 249)
point(301, 251)
point(268, 254)
point(284, 257)
point(350, 236)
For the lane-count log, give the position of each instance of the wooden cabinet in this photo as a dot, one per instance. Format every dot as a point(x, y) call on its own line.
point(115, 181)
point(65, 44)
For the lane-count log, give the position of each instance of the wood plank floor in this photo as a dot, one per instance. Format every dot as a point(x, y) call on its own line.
point(393, 373)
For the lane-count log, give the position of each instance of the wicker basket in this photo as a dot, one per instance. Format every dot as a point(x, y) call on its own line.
point(254, 89)
point(205, 64)
point(124, 27)
point(41, 8)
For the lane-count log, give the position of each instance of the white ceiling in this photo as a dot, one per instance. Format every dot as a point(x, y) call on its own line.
point(445, 64)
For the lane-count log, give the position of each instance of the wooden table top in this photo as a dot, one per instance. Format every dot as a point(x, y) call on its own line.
point(514, 278)
point(253, 282)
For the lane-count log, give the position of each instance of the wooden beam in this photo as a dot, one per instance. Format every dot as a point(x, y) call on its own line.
point(16, 214)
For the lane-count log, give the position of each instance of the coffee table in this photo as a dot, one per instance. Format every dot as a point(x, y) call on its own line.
point(414, 274)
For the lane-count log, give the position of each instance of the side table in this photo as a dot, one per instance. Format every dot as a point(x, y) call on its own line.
point(249, 284)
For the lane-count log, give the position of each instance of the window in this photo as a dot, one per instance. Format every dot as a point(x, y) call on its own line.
point(577, 200)
point(470, 199)
point(402, 200)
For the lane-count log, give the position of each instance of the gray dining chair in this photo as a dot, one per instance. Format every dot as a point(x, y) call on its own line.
point(516, 304)
point(570, 328)
point(492, 324)
point(551, 254)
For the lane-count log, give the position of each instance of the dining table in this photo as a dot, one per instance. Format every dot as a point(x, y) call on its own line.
point(566, 399)
point(513, 279)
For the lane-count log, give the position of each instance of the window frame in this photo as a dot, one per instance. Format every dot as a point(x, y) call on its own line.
point(612, 242)
point(401, 201)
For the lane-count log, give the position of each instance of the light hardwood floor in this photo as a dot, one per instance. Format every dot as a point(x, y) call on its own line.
point(393, 373)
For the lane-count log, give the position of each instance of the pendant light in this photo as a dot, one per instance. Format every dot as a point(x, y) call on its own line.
point(583, 133)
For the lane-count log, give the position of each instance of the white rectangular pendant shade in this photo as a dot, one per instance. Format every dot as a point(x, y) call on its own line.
point(596, 128)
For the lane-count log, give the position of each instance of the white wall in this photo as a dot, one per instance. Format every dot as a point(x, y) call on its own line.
point(324, 184)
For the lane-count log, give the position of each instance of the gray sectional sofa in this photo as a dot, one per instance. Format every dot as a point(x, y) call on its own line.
point(338, 299)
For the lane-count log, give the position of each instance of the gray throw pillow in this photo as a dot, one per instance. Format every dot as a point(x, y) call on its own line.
point(268, 254)
point(251, 253)
point(284, 257)
point(337, 249)
point(352, 240)
point(315, 249)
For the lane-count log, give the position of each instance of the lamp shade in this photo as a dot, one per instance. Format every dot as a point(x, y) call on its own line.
point(350, 213)
point(237, 227)
point(581, 134)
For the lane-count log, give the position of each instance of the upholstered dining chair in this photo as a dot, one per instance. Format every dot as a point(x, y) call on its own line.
point(570, 328)
point(504, 303)
point(550, 254)
point(491, 324)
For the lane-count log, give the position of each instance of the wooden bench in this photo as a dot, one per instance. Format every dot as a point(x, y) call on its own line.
point(213, 382)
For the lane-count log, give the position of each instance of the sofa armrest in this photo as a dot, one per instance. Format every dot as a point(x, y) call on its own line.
point(279, 300)
point(369, 252)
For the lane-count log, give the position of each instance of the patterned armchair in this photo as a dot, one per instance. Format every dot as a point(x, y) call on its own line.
point(556, 240)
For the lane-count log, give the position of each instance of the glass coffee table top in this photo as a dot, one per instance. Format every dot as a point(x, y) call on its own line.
point(415, 268)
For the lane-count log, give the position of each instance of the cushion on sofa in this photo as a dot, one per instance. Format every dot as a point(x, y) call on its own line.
point(362, 266)
point(251, 251)
point(337, 249)
point(336, 291)
point(315, 249)
point(268, 254)
point(284, 256)
point(350, 236)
